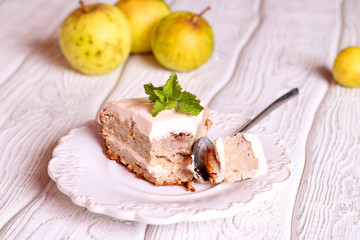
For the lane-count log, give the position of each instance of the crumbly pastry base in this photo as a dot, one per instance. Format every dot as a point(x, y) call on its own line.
point(212, 165)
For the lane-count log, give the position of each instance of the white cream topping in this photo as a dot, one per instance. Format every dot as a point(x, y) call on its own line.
point(256, 147)
point(139, 110)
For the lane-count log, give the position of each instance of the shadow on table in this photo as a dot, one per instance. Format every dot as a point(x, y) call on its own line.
point(146, 60)
point(325, 73)
point(49, 51)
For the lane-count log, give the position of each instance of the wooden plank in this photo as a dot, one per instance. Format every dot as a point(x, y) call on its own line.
point(327, 205)
point(52, 216)
point(26, 26)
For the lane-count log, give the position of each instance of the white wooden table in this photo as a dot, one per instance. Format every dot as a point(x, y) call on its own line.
point(263, 48)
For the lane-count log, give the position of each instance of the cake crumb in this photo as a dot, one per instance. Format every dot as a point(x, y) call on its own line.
point(208, 123)
point(189, 186)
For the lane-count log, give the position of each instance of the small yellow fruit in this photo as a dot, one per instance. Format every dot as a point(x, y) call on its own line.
point(95, 39)
point(143, 15)
point(346, 69)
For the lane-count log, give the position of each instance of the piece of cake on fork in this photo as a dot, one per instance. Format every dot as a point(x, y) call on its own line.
point(235, 158)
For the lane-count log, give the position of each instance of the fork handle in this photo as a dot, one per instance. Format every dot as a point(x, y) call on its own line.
point(270, 108)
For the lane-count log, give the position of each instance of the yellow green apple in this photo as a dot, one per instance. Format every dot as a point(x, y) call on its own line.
point(95, 39)
point(142, 15)
point(182, 41)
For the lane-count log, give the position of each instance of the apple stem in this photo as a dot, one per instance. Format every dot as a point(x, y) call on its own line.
point(196, 18)
point(83, 6)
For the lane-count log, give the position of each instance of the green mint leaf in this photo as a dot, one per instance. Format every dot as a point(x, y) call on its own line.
point(189, 104)
point(160, 106)
point(172, 88)
point(160, 94)
point(170, 95)
point(170, 105)
point(149, 90)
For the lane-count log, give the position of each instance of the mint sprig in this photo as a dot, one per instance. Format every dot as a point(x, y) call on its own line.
point(170, 95)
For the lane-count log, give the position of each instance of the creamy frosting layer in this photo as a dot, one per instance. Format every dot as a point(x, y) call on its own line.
point(139, 110)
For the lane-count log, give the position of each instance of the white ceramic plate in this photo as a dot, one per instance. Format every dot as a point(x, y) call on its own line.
point(83, 172)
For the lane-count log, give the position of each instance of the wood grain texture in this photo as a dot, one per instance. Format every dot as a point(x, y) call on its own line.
point(26, 26)
point(327, 205)
point(52, 216)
